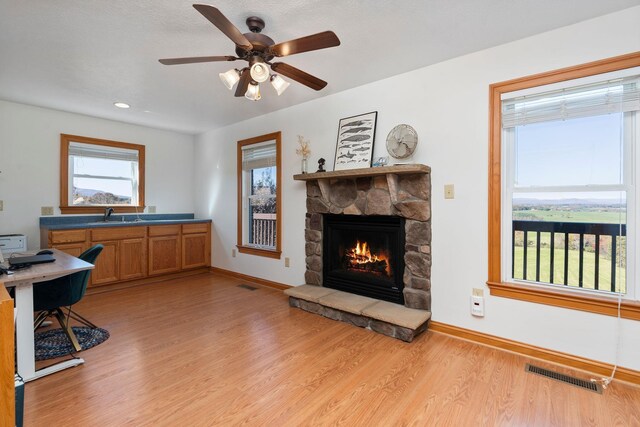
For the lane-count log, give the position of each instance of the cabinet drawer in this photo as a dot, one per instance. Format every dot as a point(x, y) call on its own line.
point(164, 230)
point(117, 233)
point(68, 236)
point(195, 228)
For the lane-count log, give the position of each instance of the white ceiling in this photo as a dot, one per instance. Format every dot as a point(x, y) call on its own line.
point(84, 55)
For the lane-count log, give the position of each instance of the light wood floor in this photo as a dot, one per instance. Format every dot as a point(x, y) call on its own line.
point(202, 351)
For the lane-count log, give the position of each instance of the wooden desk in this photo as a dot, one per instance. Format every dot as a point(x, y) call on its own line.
point(7, 384)
point(24, 281)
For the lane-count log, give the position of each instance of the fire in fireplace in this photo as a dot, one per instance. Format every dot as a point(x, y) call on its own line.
point(360, 258)
point(364, 255)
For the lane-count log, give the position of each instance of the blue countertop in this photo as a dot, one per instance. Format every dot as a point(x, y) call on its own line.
point(97, 221)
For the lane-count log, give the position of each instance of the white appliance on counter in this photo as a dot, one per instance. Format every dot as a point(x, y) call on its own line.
point(10, 243)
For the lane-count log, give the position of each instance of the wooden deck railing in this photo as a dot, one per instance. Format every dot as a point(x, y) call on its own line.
point(571, 232)
point(263, 229)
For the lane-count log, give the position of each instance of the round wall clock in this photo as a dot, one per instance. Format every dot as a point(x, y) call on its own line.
point(402, 142)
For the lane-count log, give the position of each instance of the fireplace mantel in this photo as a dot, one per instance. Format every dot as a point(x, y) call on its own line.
point(358, 173)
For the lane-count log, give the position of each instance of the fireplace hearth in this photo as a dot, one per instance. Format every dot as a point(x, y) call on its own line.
point(364, 255)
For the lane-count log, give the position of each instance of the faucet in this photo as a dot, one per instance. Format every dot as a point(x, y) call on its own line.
point(107, 213)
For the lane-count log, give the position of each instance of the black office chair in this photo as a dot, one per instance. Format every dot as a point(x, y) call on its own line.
point(49, 297)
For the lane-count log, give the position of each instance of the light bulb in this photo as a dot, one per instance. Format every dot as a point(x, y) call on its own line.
point(259, 72)
point(253, 92)
point(230, 78)
point(279, 84)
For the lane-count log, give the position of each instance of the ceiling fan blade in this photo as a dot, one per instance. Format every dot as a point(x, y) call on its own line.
point(305, 44)
point(243, 84)
point(298, 75)
point(195, 59)
point(219, 20)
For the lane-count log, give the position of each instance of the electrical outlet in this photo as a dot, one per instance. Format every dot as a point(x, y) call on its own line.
point(478, 292)
point(46, 210)
point(1, 205)
point(286, 262)
point(448, 191)
point(151, 209)
point(233, 253)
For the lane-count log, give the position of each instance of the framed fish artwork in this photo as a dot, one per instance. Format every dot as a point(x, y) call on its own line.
point(356, 135)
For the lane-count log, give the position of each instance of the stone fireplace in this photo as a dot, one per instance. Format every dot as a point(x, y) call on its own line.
point(401, 193)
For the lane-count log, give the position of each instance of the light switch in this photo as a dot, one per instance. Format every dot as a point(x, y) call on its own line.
point(46, 210)
point(233, 253)
point(1, 205)
point(448, 191)
point(286, 262)
point(151, 209)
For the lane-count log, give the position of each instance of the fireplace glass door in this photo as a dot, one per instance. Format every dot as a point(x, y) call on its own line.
point(364, 255)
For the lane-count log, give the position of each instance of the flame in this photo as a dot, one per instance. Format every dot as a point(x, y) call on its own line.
point(361, 254)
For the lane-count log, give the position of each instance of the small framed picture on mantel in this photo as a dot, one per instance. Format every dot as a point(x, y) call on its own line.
point(356, 136)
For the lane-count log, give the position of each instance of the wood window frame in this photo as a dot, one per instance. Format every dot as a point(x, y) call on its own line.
point(276, 254)
point(559, 298)
point(65, 208)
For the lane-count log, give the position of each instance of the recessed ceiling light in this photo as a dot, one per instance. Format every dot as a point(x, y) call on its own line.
point(121, 105)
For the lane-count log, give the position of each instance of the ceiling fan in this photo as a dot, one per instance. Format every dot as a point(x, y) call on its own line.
point(259, 50)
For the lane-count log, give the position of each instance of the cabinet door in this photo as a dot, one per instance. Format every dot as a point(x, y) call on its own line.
point(133, 258)
point(194, 250)
point(106, 270)
point(164, 254)
point(74, 249)
point(67, 236)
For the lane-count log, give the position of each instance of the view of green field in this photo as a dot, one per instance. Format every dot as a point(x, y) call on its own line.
point(595, 216)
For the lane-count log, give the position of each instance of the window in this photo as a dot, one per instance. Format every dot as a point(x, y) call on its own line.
point(562, 187)
point(97, 173)
point(259, 213)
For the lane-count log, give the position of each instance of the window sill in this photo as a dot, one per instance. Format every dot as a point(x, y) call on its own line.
point(558, 298)
point(100, 209)
point(260, 252)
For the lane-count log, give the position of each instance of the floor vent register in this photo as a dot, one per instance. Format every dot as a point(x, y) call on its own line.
point(595, 387)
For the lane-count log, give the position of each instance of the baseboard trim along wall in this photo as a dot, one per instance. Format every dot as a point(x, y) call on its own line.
point(259, 281)
point(593, 366)
point(576, 362)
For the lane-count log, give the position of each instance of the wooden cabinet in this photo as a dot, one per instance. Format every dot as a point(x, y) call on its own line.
point(138, 252)
point(106, 270)
point(73, 242)
point(60, 237)
point(164, 249)
point(196, 245)
point(123, 256)
point(74, 249)
point(164, 254)
point(133, 259)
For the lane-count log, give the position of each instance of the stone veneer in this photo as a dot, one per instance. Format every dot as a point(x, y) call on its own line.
point(404, 195)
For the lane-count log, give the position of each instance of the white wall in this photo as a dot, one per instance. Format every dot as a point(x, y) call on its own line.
point(447, 103)
point(30, 163)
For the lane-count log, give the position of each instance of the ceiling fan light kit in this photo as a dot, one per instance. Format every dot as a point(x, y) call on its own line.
point(259, 50)
point(253, 92)
point(259, 72)
point(230, 78)
point(279, 84)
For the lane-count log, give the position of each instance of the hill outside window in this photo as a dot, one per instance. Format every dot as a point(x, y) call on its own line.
point(259, 200)
point(97, 173)
point(566, 188)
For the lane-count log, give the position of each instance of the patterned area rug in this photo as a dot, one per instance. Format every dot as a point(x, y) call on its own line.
point(55, 343)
